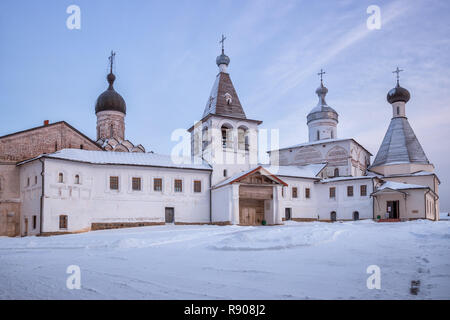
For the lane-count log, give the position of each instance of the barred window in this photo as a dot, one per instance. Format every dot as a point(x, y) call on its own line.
point(350, 191)
point(63, 221)
point(178, 185)
point(307, 193)
point(197, 186)
point(114, 183)
point(294, 192)
point(363, 190)
point(136, 184)
point(332, 192)
point(157, 184)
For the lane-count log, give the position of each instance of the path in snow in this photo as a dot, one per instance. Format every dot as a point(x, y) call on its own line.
point(296, 261)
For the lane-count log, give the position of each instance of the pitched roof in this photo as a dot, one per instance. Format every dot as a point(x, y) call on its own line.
point(238, 177)
point(125, 158)
point(400, 145)
point(221, 91)
point(392, 185)
point(305, 171)
point(324, 141)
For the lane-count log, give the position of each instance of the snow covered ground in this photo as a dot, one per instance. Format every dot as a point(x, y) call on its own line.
point(295, 261)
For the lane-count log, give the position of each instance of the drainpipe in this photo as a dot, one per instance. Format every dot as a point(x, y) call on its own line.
point(41, 213)
point(210, 197)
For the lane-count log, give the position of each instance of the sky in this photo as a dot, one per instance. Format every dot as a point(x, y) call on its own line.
point(165, 66)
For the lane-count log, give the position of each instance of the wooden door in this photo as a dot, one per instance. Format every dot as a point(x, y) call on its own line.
point(170, 215)
point(247, 216)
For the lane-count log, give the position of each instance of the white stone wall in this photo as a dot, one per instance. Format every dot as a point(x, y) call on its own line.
point(30, 196)
point(301, 207)
point(92, 201)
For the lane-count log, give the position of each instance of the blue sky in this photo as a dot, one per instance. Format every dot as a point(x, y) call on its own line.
point(165, 66)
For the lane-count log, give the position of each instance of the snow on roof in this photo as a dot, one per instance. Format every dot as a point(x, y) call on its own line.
point(125, 158)
point(305, 171)
point(399, 186)
point(325, 141)
point(246, 172)
point(336, 179)
point(400, 145)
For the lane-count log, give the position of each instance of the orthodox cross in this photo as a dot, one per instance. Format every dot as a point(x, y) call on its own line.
point(111, 61)
point(222, 42)
point(321, 73)
point(397, 71)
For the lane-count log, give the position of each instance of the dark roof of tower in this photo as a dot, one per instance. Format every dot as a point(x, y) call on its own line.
point(110, 100)
point(398, 94)
point(400, 145)
point(223, 99)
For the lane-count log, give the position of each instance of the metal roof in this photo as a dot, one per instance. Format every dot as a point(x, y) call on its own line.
point(400, 145)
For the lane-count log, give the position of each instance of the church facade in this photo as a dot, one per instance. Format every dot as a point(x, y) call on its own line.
point(54, 179)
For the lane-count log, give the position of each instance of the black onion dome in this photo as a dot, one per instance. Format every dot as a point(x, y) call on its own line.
point(223, 59)
point(110, 100)
point(398, 94)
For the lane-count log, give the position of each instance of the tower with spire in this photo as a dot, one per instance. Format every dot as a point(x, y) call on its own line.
point(110, 110)
point(400, 152)
point(322, 120)
point(225, 137)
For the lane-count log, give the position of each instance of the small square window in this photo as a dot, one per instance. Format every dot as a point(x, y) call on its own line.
point(178, 185)
point(350, 191)
point(332, 192)
point(363, 190)
point(63, 221)
point(136, 184)
point(197, 186)
point(294, 192)
point(114, 183)
point(157, 184)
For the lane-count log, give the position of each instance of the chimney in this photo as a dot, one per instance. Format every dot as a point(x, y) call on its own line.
point(46, 122)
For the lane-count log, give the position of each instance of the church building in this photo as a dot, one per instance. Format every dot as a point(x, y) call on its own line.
point(55, 180)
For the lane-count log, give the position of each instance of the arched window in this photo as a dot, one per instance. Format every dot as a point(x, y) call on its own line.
point(226, 136)
point(205, 138)
point(243, 138)
point(356, 215)
point(77, 179)
point(336, 172)
point(60, 177)
point(333, 216)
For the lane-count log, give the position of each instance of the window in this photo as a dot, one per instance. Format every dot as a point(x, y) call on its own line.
point(243, 139)
point(114, 183)
point(34, 222)
point(77, 179)
point(28, 181)
point(332, 192)
point(336, 172)
point(197, 186)
point(294, 192)
point(318, 135)
point(282, 192)
point(333, 216)
point(350, 191)
point(35, 179)
point(307, 193)
point(225, 172)
point(226, 136)
point(363, 190)
point(178, 185)
point(398, 110)
point(136, 184)
point(157, 184)
point(60, 177)
point(63, 222)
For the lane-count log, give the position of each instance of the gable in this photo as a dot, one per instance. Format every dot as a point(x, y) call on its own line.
point(45, 139)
